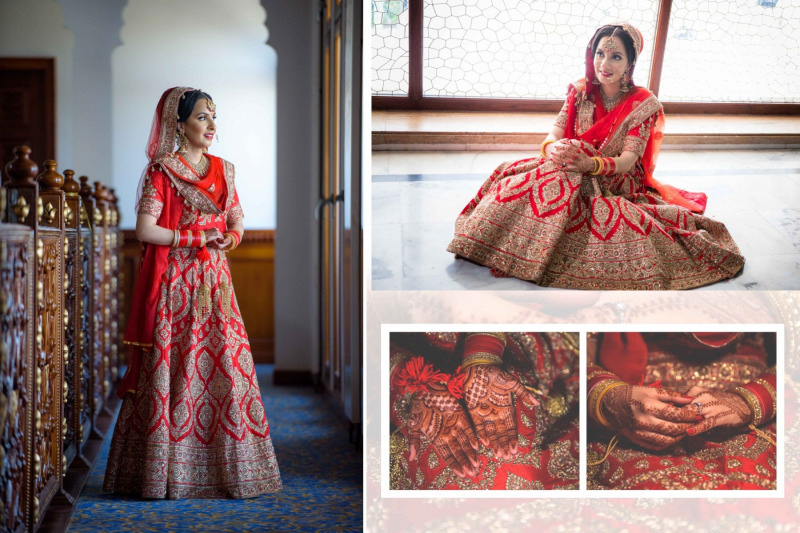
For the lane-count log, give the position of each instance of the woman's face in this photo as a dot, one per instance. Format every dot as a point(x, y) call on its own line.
point(200, 128)
point(610, 60)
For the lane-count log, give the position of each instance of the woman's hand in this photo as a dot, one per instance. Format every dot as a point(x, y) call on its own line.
point(214, 238)
point(437, 415)
point(569, 155)
point(488, 393)
point(719, 409)
point(650, 417)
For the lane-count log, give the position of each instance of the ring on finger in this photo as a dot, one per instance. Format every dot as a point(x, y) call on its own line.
point(699, 408)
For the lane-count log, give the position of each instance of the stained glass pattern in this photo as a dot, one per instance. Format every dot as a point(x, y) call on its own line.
point(732, 51)
point(390, 48)
point(519, 48)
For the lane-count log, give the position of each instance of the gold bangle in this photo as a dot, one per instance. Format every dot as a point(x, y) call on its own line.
point(595, 391)
point(544, 146)
point(481, 358)
point(176, 237)
point(232, 245)
point(202, 238)
point(598, 406)
point(596, 168)
point(752, 401)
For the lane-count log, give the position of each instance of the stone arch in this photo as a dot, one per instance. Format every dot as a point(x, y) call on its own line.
point(219, 47)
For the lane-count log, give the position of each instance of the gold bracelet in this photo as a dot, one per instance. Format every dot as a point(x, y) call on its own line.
point(596, 390)
point(544, 146)
point(202, 238)
point(597, 165)
point(176, 237)
point(598, 406)
point(481, 358)
point(752, 401)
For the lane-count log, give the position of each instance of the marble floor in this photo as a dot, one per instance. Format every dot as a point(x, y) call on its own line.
point(417, 195)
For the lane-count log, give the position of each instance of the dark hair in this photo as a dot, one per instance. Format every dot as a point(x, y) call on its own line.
point(630, 50)
point(187, 102)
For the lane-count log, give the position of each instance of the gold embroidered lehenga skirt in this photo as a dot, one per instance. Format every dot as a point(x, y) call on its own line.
point(533, 221)
point(195, 427)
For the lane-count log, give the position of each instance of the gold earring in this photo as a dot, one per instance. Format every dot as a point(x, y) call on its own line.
point(626, 86)
point(183, 143)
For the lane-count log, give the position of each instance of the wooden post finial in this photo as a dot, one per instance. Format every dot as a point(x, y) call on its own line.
point(50, 178)
point(21, 169)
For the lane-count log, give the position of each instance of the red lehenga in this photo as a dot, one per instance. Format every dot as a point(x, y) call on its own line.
point(546, 434)
point(192, 424)
point(534, 221)
point(724, 458)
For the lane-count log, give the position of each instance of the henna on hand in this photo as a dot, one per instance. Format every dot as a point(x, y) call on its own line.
point(439, 417)
point(646, 417)
point(720, 409)
point(489, 395)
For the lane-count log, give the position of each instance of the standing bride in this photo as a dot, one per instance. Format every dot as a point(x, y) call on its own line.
point(192, 424)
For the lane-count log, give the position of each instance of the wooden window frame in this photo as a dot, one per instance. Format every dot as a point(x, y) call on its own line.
point(416, 101)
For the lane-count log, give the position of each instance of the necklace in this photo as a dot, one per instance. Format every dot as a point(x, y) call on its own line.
point(610, 103)
point(201, 167)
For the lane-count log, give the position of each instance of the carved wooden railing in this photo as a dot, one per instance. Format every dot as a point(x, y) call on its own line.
point(59, 334)
point(16, 379)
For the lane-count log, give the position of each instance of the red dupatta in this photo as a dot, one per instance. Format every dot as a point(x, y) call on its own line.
point(639, 106)
point(207, 194)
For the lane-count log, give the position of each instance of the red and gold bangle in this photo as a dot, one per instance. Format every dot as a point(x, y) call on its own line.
point(235, 239)
point(753, 402)
point(595, 374)
point(483, 349)
point(189, 239)
point(760, 395)
point(609, 166)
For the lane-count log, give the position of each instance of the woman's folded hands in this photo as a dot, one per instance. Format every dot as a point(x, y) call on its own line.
point(656, 418)
point(651, 417)
point(438, 418)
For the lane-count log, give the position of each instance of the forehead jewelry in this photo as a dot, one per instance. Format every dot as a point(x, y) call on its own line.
point(610, 44)
point(211, 105)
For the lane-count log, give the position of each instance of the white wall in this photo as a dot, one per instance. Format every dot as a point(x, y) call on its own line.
point(35, 28)
point(96, 28)
point(219, 47)
point(295, 36)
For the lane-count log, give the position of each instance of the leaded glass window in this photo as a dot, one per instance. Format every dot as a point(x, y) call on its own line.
point(519, 48)
point(390, 47)
point(732, 51)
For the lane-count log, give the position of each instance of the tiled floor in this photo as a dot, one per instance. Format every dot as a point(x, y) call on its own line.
point(417, 195)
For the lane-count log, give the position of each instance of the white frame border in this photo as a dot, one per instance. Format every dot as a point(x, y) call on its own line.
point(583, 492)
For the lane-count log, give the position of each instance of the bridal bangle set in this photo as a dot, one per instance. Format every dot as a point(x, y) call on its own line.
point(188, 239)
point(197, 239)
point(602, 166)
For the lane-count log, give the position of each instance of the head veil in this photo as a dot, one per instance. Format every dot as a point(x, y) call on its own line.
point(162, 132)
